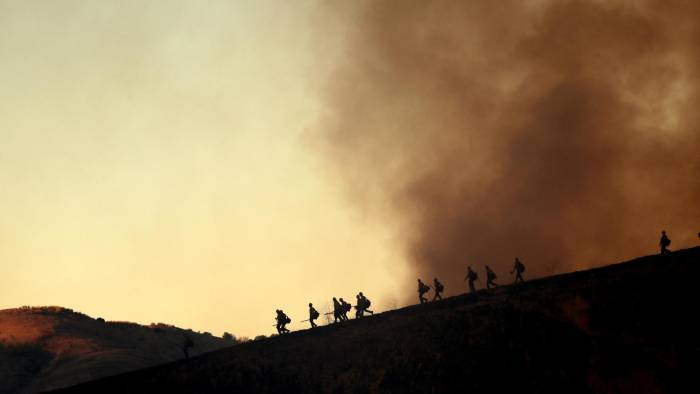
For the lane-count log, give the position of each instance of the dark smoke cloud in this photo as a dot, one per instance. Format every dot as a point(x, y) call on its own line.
point(563, 132)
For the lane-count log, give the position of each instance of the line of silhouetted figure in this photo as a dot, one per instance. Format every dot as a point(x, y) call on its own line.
point(341, 308)
point(471, 277)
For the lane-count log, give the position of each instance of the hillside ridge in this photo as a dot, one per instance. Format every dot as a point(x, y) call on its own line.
point(49, 347)
point(624, 327)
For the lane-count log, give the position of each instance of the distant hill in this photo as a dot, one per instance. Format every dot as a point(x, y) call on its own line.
point(625, 328)
point(49, 347)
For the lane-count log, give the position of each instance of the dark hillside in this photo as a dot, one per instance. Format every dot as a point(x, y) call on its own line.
point(44, 348)
point(625, 328)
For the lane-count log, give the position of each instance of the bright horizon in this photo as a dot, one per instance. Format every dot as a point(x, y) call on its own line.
point(156, 167)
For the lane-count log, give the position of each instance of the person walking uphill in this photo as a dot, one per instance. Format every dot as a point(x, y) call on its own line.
point(438, 289)
point(471, 277)
point(518, 269)
point(282, 321)
point(313, 315)
point(490, 278)
point(362, 306)
point(337, 311)
point(664, 243)
point(422, 289)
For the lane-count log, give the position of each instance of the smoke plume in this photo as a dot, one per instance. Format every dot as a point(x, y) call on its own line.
point(562, 132)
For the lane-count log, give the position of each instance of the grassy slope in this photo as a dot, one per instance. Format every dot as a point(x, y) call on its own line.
point(625, 328)
point(43, 348)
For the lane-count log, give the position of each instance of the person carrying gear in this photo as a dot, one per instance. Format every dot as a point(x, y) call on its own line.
point(359, 307)
point(665, 242)
point(490, 277)
point(366, 303)
point(282, 321)
point(337, 311)
point(518, 269)
point(438, 289)
point(422, 289)
point(313, 315)
point(346, 307)
point(471, 277)
point(363, 304)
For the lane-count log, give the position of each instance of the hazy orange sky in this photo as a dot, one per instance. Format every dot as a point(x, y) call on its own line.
point(205, 163)
point(155, 167)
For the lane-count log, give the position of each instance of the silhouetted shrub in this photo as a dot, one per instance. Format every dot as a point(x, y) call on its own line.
point(229, 337)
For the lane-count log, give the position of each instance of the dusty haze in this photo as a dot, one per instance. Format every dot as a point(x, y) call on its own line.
point(563, 132)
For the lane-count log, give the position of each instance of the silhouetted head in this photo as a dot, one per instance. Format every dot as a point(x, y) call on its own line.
point(419, 281)
point(341, 299)
point(310, 304)
point(334, 299)
point(663, 232)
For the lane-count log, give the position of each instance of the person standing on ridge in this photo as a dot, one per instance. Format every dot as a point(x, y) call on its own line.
point(313, 315)
point(664, 243)
point(438, 289)
point(472, 277)
point(422, 289)
point(490, 277)
point(518, 269)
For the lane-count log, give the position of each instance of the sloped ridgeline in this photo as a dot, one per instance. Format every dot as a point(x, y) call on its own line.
point(627, 328)
point(44, 348)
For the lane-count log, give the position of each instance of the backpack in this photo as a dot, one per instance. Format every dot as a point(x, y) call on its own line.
point(367, 303)
point(314, 313)
point(287, 319)
point(522, 267)
point(439, 287)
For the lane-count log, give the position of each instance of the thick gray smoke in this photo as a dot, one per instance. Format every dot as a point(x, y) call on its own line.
point(563, 132)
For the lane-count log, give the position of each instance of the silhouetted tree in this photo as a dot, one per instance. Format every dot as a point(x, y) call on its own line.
point(229, 337)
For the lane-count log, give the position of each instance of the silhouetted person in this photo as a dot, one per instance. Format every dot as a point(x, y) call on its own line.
point(518, 269)
point(490, 277)
point(187, 343)
point(337, 311)
point(313, 315)
point(471, 277)
point(282, 321)
point(664, 243)
point(359, 307)
point(438, 289)
point(422, 289)
point(366, 303)
point(362, 306)
point(344, 309)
